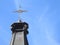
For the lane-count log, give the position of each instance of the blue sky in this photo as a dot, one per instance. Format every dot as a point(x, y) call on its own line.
point(43, 17)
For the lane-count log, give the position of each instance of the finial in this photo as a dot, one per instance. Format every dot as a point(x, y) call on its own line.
point(19, 11)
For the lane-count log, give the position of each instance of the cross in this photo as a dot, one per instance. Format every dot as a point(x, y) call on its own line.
point(19, 13)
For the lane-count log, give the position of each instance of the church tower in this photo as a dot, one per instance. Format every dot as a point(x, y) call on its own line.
point(19, 31)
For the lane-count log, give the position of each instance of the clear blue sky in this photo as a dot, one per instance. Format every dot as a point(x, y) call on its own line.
point(43, 17)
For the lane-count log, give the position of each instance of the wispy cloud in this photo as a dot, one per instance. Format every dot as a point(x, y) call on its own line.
point(45, 24)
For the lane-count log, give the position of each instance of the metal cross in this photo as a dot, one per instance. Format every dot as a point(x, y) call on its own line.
point(19, 12)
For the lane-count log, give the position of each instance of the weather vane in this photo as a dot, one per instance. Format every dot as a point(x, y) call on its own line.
point(20, 11)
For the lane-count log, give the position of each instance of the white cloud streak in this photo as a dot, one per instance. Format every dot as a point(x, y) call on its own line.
point(42, 20)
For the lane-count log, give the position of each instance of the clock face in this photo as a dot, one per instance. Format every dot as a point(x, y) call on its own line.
point(19, 39)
